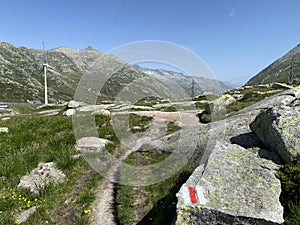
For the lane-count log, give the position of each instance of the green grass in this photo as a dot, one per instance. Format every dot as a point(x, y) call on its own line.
point(240, 104)
point(206, 97)
point(138, 121)
point(106, 131)
point(172, 127)
point(169, 109)
point(34, 139)
point(24, 109)
point(200, 105)
point(289, 176)
point(159, 199)
point(148, 157)
point(125, 201)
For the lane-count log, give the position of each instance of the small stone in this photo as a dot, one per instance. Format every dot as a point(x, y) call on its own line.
point(5, 118)
point(69, 112)
point(74, 104)
point(24, 216)
point(87, 144)
point(4, 130)
point(102, 112)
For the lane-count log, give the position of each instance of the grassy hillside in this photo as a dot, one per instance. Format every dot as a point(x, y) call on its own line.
point(34, 139)
point(22, 76)
point(285, 70)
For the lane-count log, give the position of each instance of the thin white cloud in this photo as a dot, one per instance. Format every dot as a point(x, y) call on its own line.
point(233, 11)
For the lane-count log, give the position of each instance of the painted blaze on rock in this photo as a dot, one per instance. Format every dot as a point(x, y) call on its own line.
point(279, 129)
point(235, 187)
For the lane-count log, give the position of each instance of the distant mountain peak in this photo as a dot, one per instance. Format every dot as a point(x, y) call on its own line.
point(90, 48)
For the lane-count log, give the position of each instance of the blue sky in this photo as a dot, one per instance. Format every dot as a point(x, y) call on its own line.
point(235, 38)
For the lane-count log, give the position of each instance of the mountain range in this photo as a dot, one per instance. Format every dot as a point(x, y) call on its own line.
point(22, 79)
point(194, 85)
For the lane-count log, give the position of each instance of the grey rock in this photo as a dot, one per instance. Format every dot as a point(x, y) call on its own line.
point(24, 216)
point(75, 104)
point(69, 112)
point(235, 129)
point(295, 103)
point(279, 129)
point(232, 129)
point(4, 130)
point(51, 112)
point(218, 105)
point(281, 86)
point(102, 112)
point(91, 108)
point(7, 112)
point(5, 118)
point(41, 176)
point(228, 192)
point(91, 144)
point(221, 167)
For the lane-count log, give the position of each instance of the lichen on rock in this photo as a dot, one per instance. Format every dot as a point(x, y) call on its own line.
point(41, 176)
point(279, 129)
point(228, 192)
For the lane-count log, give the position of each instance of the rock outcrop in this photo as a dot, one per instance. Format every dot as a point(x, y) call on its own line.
point(279, 129)
point(218, 105)
point(41, 176)
point(234, 187)
point(235, 181)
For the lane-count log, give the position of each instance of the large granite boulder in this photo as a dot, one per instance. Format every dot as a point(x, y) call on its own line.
point(279, 129)
point(235, 186)
point(219, 105)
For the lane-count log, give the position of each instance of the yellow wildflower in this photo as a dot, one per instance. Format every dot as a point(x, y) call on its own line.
point(86, 211)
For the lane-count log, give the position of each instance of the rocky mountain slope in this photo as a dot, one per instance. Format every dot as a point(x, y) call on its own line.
point(22, 78)
point(193, 85)
point(285, 70)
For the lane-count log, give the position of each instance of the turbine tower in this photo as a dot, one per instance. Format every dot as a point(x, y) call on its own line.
point(46, 66)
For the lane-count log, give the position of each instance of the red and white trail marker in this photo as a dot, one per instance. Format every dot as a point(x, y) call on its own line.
point(193, 195)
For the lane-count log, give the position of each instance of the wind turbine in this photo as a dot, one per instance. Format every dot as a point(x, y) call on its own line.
point(46, 66)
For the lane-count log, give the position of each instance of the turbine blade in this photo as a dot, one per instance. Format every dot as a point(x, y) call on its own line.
point(50, 67)
point(45, 55)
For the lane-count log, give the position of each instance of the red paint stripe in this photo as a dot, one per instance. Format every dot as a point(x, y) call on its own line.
point(193, 195)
